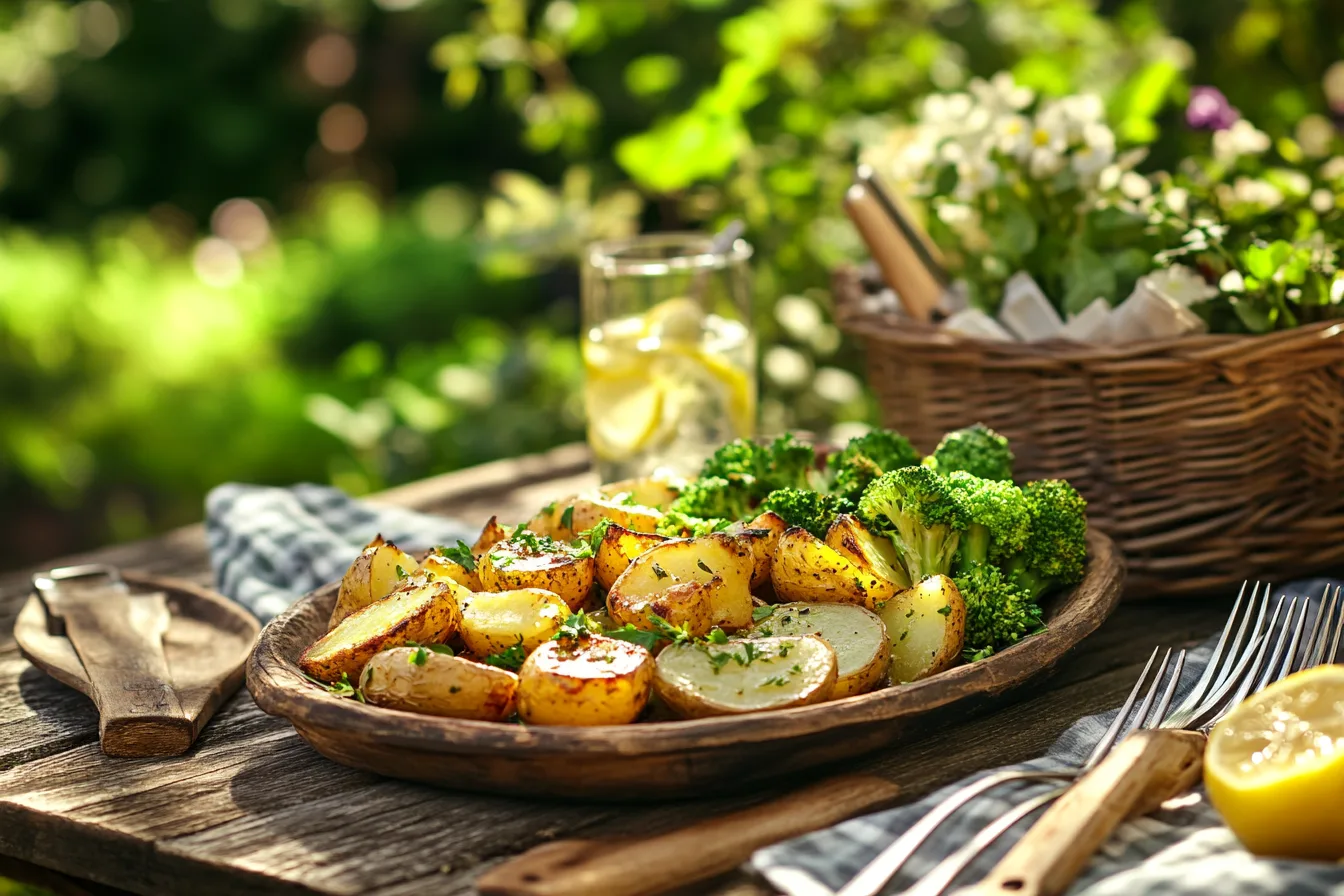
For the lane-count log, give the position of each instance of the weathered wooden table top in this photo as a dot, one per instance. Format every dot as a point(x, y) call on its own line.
point(253, 809)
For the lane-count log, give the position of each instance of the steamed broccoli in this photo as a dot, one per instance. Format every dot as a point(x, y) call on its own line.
point(676, 524)
point(865, 458)
point(1056, 546)
point(713, 497)
point(998, 611)
point(999, 520)
point(760, 469)
point(807, 509)
point(976, 449)
point(922, 515)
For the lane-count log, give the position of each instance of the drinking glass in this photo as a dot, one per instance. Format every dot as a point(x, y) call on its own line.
point(669, 352)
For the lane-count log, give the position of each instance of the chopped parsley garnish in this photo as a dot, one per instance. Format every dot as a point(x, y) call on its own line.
point(512, 658)
point(588, 540)
point(567, 517)
point(459, 554)
point(778, 681)
point(578, 625)
point(342, 688)
point(971, 656)
point(401, 573)
point(629, 633)
point(784, 649)
point(549, 509)
point(701, 564)
point(759, 613)
point(716, 636)
point(659, 571)
point(795, 668)
point(677, 634)
point(945, 609)
point(418, 656)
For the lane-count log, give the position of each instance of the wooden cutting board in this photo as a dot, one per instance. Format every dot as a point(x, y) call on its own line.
point(206, 644)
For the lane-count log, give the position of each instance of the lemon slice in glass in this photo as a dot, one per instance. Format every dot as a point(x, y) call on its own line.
point(1274, 767)
point(624, 414)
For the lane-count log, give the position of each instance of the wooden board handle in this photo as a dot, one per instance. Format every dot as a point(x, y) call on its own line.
point(1146, 769)
point(702, 850)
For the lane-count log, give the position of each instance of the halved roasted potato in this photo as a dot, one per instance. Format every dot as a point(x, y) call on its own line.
point(926, 625)
point(416, 679)
point(702, 582)
point(421, 611)
point(372, 577)
point(590, 511)
point(493, 622)
point(645, 491)
point(856, 634)
point(442, 564)
point(746, 675)
point(855, 543)
point(585, 681)
point(491, 535)
point(806, 569)
point(618, 549)
point(762, 536)
point(537, 562)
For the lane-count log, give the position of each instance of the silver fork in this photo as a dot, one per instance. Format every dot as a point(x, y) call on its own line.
point(1252, 660)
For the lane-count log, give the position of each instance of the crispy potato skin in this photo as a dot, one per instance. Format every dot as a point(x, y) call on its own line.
point(372, 577)
point(926, 625)
point(857, 635)
point(509, 567)
point(700, 582)
point(585, 681)
point(588, 512)
point(439, 685)
point(421, 611)
point(762, 536)
point(444, 568)
point(619, 548)
point(806, 569)
point(859, 546)
point(689, 682)
point(491, 535)
point(494, 622)
point(688, 603)
point(645, 491)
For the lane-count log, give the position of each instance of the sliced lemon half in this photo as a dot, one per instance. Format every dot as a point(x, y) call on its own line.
point(1274, 768)
point(624, 414)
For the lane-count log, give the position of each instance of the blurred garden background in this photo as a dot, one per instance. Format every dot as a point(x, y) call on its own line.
point(335, 240)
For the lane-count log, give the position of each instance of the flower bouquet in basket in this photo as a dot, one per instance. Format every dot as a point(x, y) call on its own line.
point(1053, 230)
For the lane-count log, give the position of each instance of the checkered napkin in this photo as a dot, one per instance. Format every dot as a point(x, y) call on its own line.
point(1181, 850)
point(270, 546)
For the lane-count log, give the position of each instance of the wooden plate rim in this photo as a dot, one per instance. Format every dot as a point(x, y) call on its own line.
point(280, 689)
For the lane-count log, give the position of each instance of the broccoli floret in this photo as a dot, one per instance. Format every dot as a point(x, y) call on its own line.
point(865, 458)
point(741, 461)
point(922, 515)
point(675, 524)
point(790, 462)
point(998, 611)
point(1056, 546)
point(760, 469)
point(999, 520)
point(976, 449)
point(807, 509)
point(713, 497)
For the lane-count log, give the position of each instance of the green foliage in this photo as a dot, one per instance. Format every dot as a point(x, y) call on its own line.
point(804, 508)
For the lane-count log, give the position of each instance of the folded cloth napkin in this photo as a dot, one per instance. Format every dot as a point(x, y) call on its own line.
point(1183, 849)
point(270, 546)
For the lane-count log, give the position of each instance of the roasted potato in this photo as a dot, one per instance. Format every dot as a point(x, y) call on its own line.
point(494, 622)
point(585, 681)
point(421, 611)
point(445, 567)
point(700, 582)
point(645, 491)
point(806, 569)
point(762, 536)
point(491, 535)
point(549, 565)
point(857, 635)
point(618, 549)
point(852, 540)
point(416, 679)
point(372, 577)
point(588, 512)
point(746, 675)
point(926, 625)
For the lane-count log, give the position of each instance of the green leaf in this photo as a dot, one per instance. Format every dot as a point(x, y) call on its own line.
point(459, 554)
point(652, 75)
point(1254, 313)
point(1086, 276)
point(629, 633)
point(1014, 231)
point(759, 613)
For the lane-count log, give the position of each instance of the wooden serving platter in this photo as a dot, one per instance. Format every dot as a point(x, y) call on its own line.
point(665, 759)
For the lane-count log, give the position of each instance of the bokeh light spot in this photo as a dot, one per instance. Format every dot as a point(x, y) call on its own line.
point(217, 263)
point(330, 60)
point(342, 128)
point(241, 223)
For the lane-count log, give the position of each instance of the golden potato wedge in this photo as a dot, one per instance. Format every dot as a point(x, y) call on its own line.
point(746, 675)
point(926, 625)
point(762, 536)
point(494, 622)
point(491, 535)
point(416, 679)
point(806, 569)
point(703, 581)
point(590, 511)
point(645, 491)
point(372, 577)
point(618, 549)
point(866, 549)
point(857, 635)
point(542, 563)
point(444, 566)
point(585, 681)
point(547, 520)
point(421, 611)
point(688, 603)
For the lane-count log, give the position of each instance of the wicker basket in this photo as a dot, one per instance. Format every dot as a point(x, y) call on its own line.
point(1208, 459)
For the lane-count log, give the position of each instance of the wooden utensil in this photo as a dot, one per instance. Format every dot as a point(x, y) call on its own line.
point(699, 851)
point(915, 283)
point(1145, 770)
point(156, 662)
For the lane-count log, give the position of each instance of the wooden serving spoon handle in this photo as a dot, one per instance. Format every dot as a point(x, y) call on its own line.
point(1145, 770)
point(652, 865)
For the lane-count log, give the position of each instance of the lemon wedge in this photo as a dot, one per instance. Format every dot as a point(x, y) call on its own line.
point(1274, 768)
point(623, 414)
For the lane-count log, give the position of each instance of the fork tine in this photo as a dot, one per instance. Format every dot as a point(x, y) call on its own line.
point(1339, 627)
point(1278, 665)
point(1160, 712)
point(1228, 666)
point(1211, 668)
point(1319, 627)
point(1142, 715)
point(1285, 667)
point(1113, 731)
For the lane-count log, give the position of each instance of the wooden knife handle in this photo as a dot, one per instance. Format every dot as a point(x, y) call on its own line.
point(1146, 769)
point(915, 284)
point(702, 850)
point(119, 639)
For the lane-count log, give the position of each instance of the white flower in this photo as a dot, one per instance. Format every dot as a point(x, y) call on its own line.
point(1337, 289)
point(1109, 178)
point(1097, 151)
point(955, 214)
point(1001, 93)
point(1295, 183)
point(1180, 284)
point(1333, 169)
point(1195, 240)
point(1044, 162)
point(1135, 186)
point(1232, 281)
point(1322, 201)
point(1012, 136)
point(1052, 128)
point(975, 176)
point(1260, 193)
point(1177, 199)
point(1084, 108)
point(1242, 139)
point(946, 108)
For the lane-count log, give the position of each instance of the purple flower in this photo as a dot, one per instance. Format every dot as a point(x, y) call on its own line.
point(1209, 110)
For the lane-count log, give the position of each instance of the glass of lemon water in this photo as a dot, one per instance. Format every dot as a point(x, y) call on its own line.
point(668, 350)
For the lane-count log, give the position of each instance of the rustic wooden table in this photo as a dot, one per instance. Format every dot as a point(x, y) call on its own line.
point(253, 809)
